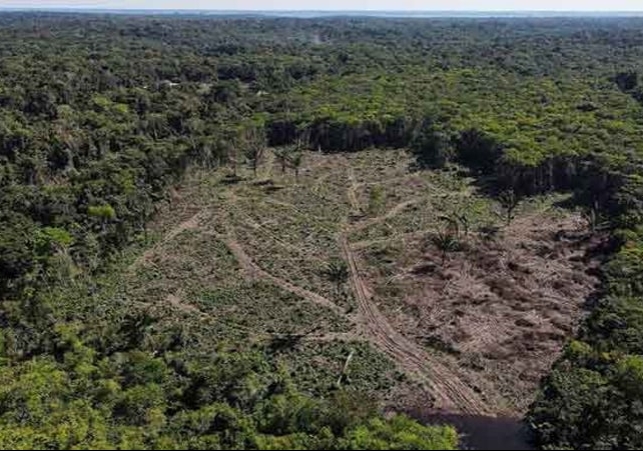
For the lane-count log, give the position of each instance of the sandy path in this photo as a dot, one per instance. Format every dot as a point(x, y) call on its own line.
point(254, 270)
point(364, 244)
point(189, 224)
point(394, 211)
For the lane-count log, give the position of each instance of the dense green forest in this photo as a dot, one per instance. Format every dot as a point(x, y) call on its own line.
point(101, 114)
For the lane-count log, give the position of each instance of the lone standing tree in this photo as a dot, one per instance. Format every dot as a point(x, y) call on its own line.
point(255, 143)
point(296, 159)
point(509, 202)
point(446, 242)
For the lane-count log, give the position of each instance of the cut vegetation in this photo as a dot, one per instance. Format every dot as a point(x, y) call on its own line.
point(474, 325)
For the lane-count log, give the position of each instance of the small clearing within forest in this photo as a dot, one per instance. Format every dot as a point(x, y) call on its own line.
point(473, 329)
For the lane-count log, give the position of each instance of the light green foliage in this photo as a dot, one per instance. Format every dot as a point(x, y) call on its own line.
point(126, 401)
point(50, 239)
point(401, 433)
point(104, 212)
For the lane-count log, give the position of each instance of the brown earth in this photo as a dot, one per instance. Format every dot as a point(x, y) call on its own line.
point(498, 311)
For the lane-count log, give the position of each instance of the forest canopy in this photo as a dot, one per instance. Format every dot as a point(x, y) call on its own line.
point(101, 114)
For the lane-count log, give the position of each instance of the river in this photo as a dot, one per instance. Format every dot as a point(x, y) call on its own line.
point(481, 432)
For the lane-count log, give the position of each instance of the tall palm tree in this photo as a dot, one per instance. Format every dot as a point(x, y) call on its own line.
point(446, 243)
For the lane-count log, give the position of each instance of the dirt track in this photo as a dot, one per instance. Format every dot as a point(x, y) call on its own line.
point(189, 224)
point(449, 391)
point(378, 319)
point(394, 211)
point(254, 270)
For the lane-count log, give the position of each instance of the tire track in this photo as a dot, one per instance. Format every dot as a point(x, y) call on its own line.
point(450, 392)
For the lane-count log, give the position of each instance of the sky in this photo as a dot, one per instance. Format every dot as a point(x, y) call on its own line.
point(396, 5)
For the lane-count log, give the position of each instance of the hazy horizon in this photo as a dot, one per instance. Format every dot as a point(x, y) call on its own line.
point(343, 6)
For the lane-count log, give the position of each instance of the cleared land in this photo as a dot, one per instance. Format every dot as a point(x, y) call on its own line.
point(470, 330)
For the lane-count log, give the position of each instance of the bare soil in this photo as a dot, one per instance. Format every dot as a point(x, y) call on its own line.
point(500, 310)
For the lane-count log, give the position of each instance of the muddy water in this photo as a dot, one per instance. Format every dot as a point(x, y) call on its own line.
point(482, 432)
